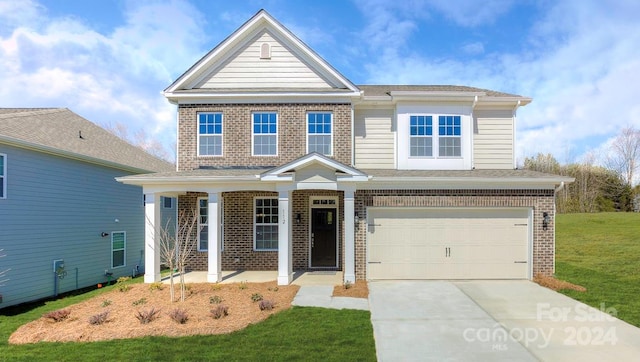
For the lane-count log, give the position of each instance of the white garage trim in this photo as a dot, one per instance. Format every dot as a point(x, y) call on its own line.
point(429, 240)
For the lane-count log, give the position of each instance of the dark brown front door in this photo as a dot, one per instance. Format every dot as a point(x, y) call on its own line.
point(323, 238)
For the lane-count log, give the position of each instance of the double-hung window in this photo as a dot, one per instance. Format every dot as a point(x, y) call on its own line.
point(209, 134)
point(449, 136)
point(421, 136)
point(265, 134)
point(3, 176)
point(203, 224)
point(266, 223)
point(118, 248)
point(320, 133)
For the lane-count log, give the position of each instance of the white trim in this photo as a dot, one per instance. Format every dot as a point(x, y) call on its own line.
point(253, 134)
point(198, 135)
point(322, 134)
point(124, 249)
point(255, 224)
point(335, 206)
point(3, 181)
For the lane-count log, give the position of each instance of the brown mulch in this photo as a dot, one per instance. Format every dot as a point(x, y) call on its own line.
point(358, 289)
point(122, 321)
point(556, 284)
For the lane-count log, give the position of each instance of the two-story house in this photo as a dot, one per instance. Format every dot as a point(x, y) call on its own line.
point(291, 166)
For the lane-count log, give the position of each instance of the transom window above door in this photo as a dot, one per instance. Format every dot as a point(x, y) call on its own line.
point(320, 133)
point(265, 134)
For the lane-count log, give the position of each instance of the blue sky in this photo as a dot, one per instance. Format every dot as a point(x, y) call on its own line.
point(109, 60)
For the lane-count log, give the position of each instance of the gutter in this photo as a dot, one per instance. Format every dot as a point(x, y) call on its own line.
point(560, 187)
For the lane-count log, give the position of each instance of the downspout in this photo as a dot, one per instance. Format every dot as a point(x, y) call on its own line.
point(560, 187)
point(473, 132)
point(177, 136)
point(353, 137)
point(555, 215)
point(513, 140)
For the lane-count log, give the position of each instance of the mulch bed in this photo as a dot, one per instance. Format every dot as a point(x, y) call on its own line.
point(359, 289)
point(556, 284)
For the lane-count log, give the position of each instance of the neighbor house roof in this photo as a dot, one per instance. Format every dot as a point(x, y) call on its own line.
point(62, 132)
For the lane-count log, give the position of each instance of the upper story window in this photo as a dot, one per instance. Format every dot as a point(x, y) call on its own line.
point(265, 134)
point(320, 133)
point(450, 138)
point(210, 134)
point(421, 136)
point(3, 176)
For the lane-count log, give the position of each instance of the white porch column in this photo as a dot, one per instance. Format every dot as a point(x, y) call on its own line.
point(214, 266)
point(285, 250)
point(349, 237)
point(152, 227)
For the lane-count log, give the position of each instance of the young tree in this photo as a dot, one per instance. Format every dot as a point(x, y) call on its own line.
point(168, 251)
point(624, 154)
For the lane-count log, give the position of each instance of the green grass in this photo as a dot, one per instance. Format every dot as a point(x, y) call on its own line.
point(602, 253)
point(299, 333)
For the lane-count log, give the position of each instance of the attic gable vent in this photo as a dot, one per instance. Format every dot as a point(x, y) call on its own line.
point(265, 51)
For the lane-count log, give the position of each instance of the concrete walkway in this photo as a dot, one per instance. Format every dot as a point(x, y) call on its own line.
point(492, 321)
point(320, 296)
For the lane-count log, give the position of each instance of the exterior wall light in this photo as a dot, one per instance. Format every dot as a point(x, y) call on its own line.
point(298, 218)
point(545, 220)
point(103, 234)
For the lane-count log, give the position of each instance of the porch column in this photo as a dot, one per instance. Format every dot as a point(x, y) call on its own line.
point(349, 237)
point(152, 227)
point(214, 266)
point(285, 250)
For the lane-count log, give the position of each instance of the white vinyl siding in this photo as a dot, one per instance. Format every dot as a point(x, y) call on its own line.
point(118, 249)
point(374, 139)
point(3, 176)
point(248, 69)
point(265, 223)
point(493, 140)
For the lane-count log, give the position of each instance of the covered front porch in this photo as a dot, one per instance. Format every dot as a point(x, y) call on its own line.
point(298, 216)
point(300, 277)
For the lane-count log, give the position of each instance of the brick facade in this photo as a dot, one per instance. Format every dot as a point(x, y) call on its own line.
point(237, 126)
point(539, 200)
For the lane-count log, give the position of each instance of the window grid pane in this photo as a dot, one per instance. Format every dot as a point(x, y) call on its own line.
point(266, 221)
point(265, 130)
point(118, 246)
point(449, 130)
point(203, 224)
point(210, 134)
point(421, 140)
point(319, 129)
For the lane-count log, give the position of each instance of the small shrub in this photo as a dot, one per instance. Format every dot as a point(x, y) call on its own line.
point(57, 315)
point(216, 299)
point(216, 287)
point(179, 315)
point(124, 287)
point(274, 289)
point(243, 286)
point(99, 318)
point(140, 301)
point(147, 316)
point(105, 303)
point(347, 285)
point(123, 279)
point(256, 297)
point(266, 304)
point(220, 311)
point(156, 286)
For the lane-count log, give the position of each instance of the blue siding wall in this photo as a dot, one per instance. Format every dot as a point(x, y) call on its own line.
point(56, 208)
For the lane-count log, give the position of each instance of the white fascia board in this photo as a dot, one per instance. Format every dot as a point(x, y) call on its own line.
point(277, 178)
point(70, 155)
point(511, 183)
point(351, 178)
point(142, 181)
point(505, 102)
point(407, 96)
point(261, 97)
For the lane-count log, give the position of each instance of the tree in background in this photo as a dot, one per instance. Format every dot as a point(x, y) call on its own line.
point(624, 154)
point(139, 139)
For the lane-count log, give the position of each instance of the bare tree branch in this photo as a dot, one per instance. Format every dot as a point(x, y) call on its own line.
point(624, 154)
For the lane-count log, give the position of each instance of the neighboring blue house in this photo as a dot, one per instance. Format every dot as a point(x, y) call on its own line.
point(64, 220)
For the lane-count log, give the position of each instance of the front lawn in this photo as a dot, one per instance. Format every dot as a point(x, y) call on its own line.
point(294, 334)
point(602, 253)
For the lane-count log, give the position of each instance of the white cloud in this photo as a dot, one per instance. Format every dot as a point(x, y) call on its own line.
point(469, 13)
point(474, 48)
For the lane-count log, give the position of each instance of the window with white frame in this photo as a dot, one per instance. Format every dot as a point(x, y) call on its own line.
point(265, 134)
point(421, 136)
point(266, 223)
point(118, 248)
point(449, 136)
point(210, 134)
point(320, 133)
point(167, 202)
point(3, 176)
point(203, 224)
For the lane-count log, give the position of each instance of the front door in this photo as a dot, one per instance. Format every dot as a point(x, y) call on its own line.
point(323, 238)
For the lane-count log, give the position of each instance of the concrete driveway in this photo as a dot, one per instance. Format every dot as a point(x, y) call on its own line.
point(492, 321)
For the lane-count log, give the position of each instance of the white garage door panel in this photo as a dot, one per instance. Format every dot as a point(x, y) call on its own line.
point(448, 244)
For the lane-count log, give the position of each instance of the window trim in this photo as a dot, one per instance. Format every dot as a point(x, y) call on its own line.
point(253, 134)
point(199, 135)
point(220, 229)
point(3, 176)
point(255, 224)
point(435, 136)
point(445, 136)
point(124, 249)
point(432, 137)
point(330, 134)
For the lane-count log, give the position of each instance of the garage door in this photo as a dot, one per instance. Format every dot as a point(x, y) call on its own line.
point(448, 243)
